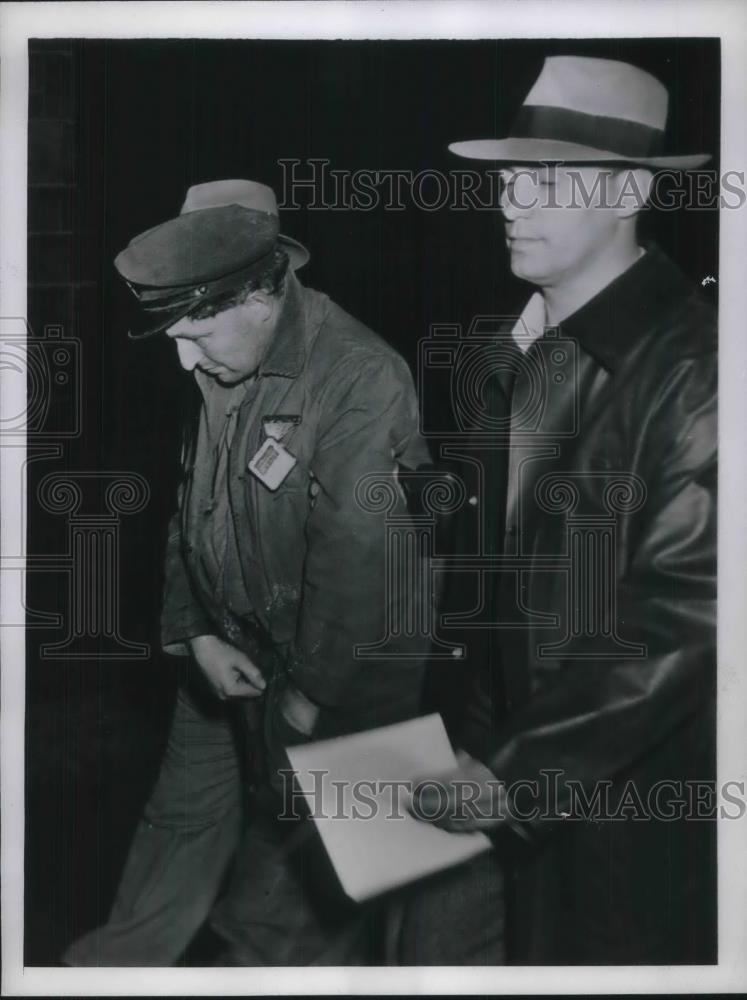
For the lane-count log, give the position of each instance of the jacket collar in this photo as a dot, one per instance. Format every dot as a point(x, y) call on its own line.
point(286, 352)
point(610, 324)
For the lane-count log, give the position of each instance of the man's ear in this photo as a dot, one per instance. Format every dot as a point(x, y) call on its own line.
point(633, 189)
point(262, 304)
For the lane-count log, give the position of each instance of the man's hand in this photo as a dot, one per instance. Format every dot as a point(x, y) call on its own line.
point(468, 798)
point(298, 711)
point(229, 672)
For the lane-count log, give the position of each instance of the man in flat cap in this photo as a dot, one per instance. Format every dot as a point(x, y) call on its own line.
point(590, 728)
point(275, 575)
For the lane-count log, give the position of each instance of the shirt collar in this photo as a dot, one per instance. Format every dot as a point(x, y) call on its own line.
point(531, 324)
point(219, 399)
point(615, 319)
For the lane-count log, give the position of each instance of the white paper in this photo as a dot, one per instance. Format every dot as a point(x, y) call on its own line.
point(372, 840)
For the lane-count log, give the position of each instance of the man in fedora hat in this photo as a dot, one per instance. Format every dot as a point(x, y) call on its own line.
point(275, 574)
point(591, 719)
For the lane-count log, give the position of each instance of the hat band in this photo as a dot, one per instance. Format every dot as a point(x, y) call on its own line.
point(157, 299)
point(618, 135)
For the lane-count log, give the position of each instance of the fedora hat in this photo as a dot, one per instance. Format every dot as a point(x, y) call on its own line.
point(587, 110)
point(224, 235)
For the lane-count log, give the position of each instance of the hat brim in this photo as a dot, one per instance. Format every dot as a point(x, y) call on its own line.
point(551, 150)
point(298, 256)
point(168, 318)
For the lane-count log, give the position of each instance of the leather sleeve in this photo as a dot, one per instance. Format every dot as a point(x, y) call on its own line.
point(593, 719)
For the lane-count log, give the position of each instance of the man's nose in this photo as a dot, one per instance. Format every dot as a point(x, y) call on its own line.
point(189, 353)
point(518, 197)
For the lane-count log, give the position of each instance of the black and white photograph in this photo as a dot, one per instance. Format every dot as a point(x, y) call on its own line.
point(373, 535)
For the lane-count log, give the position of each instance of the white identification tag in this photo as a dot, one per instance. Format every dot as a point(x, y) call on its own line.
point(271, 464)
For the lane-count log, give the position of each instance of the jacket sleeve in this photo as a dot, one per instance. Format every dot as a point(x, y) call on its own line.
point(595, 718)
point(367, 425)
point(182, 615)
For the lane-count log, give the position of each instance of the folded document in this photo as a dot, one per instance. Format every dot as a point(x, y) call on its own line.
point(357, 789)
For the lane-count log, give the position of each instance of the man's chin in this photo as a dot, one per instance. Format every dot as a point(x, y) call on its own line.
point(219, 374)
point(520, 269)
point(224, 376)
point(529, 265)
point(229, 379)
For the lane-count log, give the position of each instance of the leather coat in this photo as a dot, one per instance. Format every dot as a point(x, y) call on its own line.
point(602, 667)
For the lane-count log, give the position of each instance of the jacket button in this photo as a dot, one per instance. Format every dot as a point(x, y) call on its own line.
point(472, 501)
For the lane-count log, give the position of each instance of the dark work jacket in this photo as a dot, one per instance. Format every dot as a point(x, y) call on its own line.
point(312, 555)
point(602, 668)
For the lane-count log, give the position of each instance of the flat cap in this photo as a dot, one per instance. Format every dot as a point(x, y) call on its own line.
point(225, 234)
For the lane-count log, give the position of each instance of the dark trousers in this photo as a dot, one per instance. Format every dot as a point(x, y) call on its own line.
point(454, 918)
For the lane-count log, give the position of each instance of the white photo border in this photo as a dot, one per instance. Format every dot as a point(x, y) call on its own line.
point(393, 19)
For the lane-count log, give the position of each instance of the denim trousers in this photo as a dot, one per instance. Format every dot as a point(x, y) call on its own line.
point(203, 830)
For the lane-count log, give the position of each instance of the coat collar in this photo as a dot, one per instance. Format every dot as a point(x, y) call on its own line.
point(609, 325)
point(286, 353)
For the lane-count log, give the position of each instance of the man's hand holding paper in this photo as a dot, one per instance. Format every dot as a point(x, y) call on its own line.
point(358, 790)
point(466, 798)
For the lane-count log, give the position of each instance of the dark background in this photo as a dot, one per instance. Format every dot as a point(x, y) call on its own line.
point(117, 132)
